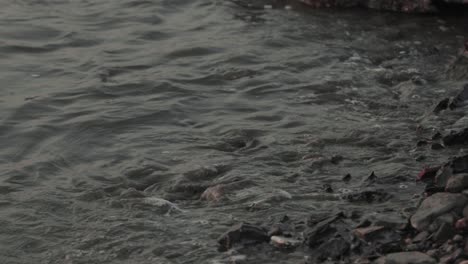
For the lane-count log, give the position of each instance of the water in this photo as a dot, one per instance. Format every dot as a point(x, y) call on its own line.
point(108, 107)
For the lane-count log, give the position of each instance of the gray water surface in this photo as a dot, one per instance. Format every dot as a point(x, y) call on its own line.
point(117, 115)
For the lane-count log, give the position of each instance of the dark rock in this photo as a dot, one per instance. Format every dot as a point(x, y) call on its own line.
point(428, 173)
point(131, 193)
point(465, 248)
point(456, 137)
point(371, 178)
point(461, 99)
point(445, 232)
point(336, 248)
point(346, 178)
point(242, 233)
point(436, 136)
point(442, 105)
point(459, 164)
point(413, 257)
point(336, 159)
point(421, 237)
point(436, 146)
point(458, 69)
point(364, 223)
point(435, 206)
point(457, 183)
point(275, 231)
point(432, 188)
point(414, 247)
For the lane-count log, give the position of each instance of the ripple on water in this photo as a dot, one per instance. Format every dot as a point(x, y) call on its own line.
point(139, 131)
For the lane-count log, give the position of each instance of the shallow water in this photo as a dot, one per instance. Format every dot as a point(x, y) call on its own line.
point(108, 107)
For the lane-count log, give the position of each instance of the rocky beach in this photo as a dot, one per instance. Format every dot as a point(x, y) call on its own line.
point(435, 231)
point(233, 131)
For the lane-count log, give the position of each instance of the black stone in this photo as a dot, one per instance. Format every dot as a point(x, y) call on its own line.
point(436, 146)
point(460, 164)
point(242, 233)
point(442, 105)
point(372, 178)
point(346, 178)
point(421, 143)
point(456, 137)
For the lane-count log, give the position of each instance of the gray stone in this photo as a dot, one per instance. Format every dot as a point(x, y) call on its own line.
point(413, 257)
point(443, 175)
point(421, 237)
point(432, 252)
point(451, 257)
point(445, 232)
point(435, 206)
point(457, 183)
point(448, 218)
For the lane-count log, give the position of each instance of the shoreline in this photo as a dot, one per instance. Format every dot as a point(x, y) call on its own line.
point(435, 232)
